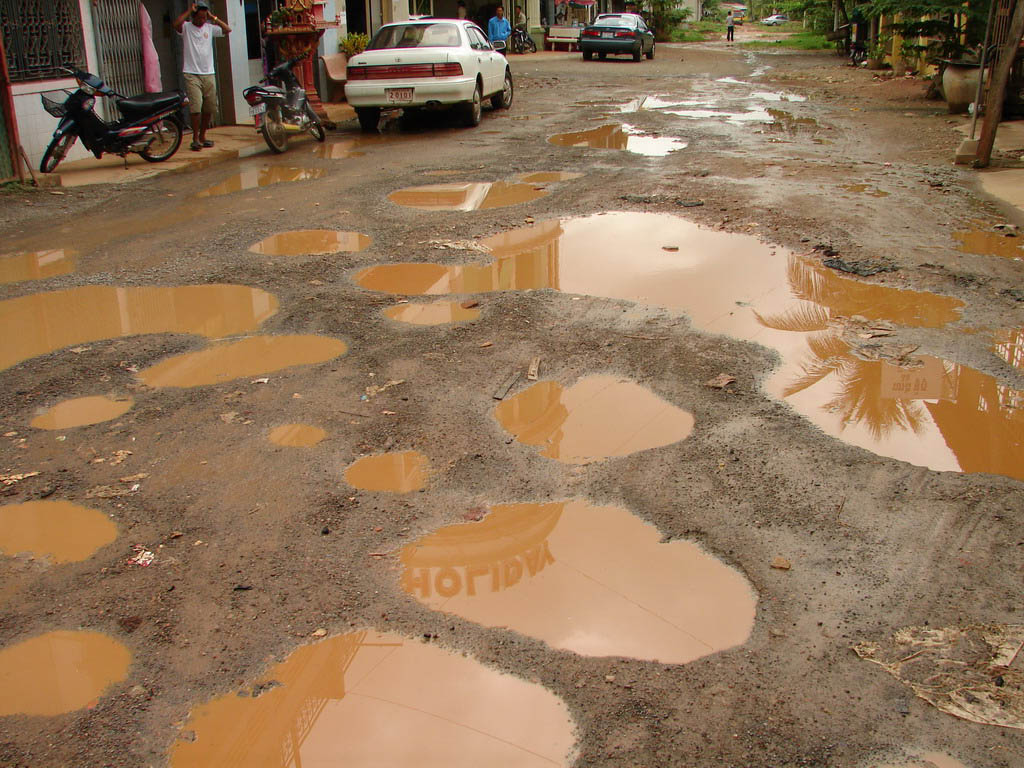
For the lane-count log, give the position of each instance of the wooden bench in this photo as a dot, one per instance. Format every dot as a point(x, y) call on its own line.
point(567, 36)
point(335, 75)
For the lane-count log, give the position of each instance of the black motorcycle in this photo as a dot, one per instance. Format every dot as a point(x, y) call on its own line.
point(521, 42)
point(150, 124)
point(280, 108)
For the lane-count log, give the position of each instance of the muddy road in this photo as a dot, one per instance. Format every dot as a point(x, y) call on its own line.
point(286, 500)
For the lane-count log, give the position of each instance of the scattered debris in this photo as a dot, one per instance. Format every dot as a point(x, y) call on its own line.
point(506, 385)
point(12, 479)
point(107, 492)
point(459, 245)
point(863, 268)
point(475, 514)
point(721, 381)
point(228, 417)
point(376, 389)
point(142, 557)
point(671, 248)
point(534, 371)
point(471, 304)
point(486, 344)
point(119, 457)
point(780, 563)
point(263, 380)
point(1014, 293)
point(964, 671)
point(134, 478)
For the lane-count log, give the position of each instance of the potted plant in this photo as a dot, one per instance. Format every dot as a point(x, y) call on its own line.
point(877, 51)
point(353, 43)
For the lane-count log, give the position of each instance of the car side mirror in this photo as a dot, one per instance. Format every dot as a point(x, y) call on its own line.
point(498, 45)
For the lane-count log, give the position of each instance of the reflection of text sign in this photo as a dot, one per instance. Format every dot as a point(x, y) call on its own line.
point(922, 383)
point(449, 581)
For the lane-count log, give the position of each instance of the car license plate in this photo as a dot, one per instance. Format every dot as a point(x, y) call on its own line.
point(607, 34)
point(398, 95)
point(259, 109)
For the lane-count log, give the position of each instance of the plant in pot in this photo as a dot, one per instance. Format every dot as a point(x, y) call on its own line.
point(353, 43)
point(877, 51)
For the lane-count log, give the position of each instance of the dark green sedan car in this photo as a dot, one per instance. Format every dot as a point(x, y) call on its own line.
point(620, 33)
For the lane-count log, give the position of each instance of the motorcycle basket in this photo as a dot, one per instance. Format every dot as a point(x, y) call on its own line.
point(55, 108)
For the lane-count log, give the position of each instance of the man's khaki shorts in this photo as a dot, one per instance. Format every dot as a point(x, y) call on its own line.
point(202, 93)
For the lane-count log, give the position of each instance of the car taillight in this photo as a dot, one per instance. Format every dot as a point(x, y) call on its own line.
point(398, 71)
point(453, 69)
point(590, 33)
point(625, 33)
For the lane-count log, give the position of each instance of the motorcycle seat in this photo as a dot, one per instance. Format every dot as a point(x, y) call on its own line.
point(148, 102)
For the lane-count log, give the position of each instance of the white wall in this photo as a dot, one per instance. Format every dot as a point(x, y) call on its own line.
point(239, 47)
point(35, 125)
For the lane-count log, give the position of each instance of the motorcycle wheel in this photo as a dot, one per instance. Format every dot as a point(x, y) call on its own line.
point(517, 44)
point(165, 143)
point(56, 152)
point(273, 131)
point(530, 45)
point(316, 128)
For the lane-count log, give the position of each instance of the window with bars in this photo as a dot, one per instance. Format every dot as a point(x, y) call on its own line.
point(41, 36)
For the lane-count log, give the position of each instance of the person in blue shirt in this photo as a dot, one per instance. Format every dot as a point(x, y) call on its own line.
point(498, 27)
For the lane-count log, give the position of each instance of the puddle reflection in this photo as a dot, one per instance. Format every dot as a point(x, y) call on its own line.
point(982, 242)
point(252, 356)
point(435, 313)
point(44, 322)
point(311, 242)
point(58, 530)
point(82, 411)
point(597, 581)
point(296, 435)
point(59, 672)
point(261, 177)
point(370, 699)
point(403, 472)
point(469, 196)
point(36, 265)
point(622, 137)
point(596, 418)
point(548, 177)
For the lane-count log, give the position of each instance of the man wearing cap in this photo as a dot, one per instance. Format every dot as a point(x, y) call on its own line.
point(197, 35)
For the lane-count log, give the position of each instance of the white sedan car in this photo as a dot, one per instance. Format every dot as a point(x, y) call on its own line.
point(428, 64)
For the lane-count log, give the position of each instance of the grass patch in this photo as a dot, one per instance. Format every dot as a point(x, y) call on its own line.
point(803, 40)
point(15, 188)
point(698, 32)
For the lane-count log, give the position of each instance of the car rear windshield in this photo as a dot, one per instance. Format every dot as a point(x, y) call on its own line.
point(615, 21)
point(415, 36)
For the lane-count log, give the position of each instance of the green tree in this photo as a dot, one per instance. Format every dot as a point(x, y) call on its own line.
point(936, 21)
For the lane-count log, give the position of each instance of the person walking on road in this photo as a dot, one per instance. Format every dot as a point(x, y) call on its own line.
point(198, 27)
point(730, 27)
point(498, 27)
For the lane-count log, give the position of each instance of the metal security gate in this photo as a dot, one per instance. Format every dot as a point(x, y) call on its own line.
point(119, 46)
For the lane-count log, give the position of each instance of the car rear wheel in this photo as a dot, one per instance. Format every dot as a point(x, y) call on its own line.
point(503, 98)
point(602, 56)
point(638, 52)
point(473, 109)
point(368, 118)
point(650, 53)
point(588, 55)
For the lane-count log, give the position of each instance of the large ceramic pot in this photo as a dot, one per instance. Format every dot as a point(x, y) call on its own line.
point(960, 85)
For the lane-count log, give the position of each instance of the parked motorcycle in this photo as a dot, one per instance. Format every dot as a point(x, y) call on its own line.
point(280, 108)
point(150, 125)
point(521, 42)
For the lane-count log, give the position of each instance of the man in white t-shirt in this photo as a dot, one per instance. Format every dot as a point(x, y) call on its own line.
point(197, 35)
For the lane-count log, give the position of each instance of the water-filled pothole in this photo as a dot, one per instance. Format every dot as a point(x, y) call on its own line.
point(59, 672)
point(296, 435)
point(752, 115)
point(467, 196)
point(312, 242)
point(596, 418)
point(548, 177)
point(402, 472)
point(434, 313)
point(985, 242)
point(620, 136)
point(864, 189)
point(36, 265)
point(928, 760)
point(252, 356)
point(44, 322)
point(262, 177)
point(82, 411)
point(832, 332)
point(597, 581)
point(370, 699)
point(59, 530)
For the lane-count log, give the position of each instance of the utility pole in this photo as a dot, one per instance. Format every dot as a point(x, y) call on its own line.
point(997, 87)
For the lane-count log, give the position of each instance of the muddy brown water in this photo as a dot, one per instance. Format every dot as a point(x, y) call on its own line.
point(434, 313)
point(252, 356)
point(402, 472)
point(296, 435)
point(311, 242)
point(61, 531)
point(44, 322)
point(982, 242)
point(261, 177)
point(372, 699)
point(548, 177)
point(864, 189)
point(1008, 344)
point(36, 265)
point(928, 760)
point(596, 418)
point(467, 196)
point(955, 418)
point(82, 411)
point(621, 136)
point(59, 672)
point(597, 581)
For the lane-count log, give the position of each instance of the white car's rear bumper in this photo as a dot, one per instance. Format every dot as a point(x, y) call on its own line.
point(371, 93)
